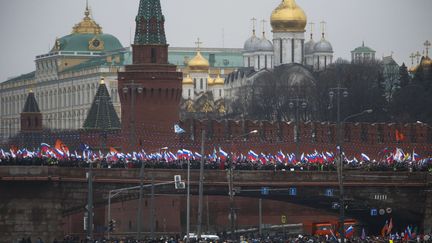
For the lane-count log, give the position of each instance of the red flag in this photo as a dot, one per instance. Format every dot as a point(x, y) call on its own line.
point(61, 146)
point(384, 229)
point(399, 136)
point(390, 226)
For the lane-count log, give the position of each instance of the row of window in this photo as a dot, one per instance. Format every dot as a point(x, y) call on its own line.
point(51, 100)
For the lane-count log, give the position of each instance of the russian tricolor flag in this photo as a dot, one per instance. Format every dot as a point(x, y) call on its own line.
point(252, 155)
point(349, 232)
point(365, 157)
point(223, 154)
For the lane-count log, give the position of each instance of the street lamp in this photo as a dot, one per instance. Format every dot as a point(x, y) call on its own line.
point(340, 170)
point(141, 192)
point(297, 103)
point(232, 215)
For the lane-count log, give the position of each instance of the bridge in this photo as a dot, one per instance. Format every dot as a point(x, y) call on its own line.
point(36, 199)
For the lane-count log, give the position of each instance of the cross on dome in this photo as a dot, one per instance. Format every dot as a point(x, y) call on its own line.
point(427, 45)
point(198, 43)
point(253, 24)
point(323, 25)
point(311, 24)
point(412, 56)
point(263, 26)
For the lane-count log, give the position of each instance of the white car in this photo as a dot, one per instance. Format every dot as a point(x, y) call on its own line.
point(203, 237)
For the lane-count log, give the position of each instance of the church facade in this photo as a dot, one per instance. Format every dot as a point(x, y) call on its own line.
point(288, 51)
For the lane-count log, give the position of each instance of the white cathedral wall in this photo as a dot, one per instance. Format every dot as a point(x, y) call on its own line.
point(188, 89)
point(199, 78)
point(286, 39)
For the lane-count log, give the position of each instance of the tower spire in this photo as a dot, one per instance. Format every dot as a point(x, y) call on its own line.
point(150, 23)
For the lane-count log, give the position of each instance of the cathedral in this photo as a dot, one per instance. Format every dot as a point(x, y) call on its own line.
point(288, 53)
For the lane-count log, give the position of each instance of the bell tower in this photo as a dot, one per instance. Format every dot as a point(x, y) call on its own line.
point(150, 89)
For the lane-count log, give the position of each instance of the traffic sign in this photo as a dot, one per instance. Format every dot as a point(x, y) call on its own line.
point(382, 211)
point(374, 212)
point(329, 193)
point(283, 219)
point(265, 191)
point(293, 191)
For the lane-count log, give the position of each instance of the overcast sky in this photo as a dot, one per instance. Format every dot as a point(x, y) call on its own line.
point(30, 27)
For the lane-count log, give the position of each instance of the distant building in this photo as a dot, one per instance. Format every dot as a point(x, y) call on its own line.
point(362, 54)
point(66, 79)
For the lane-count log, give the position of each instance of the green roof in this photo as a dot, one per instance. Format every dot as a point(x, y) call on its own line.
point(30, 75)
point(102, 61)
point(150, 27)
point(31, 105)
point(102, 115)
point(81, 42)
point(218, 57)
point(363, 48)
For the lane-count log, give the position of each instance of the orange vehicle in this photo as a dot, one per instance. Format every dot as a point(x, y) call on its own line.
point(326, 228)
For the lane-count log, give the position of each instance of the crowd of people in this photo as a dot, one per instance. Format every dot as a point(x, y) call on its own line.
point(394, 160)
point(253, 238)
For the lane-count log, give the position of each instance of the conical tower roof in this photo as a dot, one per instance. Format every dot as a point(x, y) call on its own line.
point(102, 115)
point(31, 105)
point(150, 23)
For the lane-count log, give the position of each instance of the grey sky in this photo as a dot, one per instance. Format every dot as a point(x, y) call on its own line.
point(29, 27)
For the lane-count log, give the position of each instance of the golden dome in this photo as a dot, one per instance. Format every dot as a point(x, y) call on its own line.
point(198, 63)
point(219, 81)
point(426, 62)
point(413, 69)
point(187, 80)
point(87, 25)
point(210, 81)
point(288, 16)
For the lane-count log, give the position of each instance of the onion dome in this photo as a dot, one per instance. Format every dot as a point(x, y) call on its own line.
point(309, 47)
point(251, 44)
point(413, 69)
point(210, 81)
point(426, 62)
point(219, 81)
point(265, 45)
point(287, 17)
point(323, 46)
point(187, 80)
point(198, 63)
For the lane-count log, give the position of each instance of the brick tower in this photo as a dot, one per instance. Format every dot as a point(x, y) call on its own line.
point(150, 89)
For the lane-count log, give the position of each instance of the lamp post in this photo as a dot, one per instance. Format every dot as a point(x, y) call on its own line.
point(90, 202)
point(338, 91)
point(297, 103)
point(340, 173)
point(201, 186)
point(141, 192)
point(133, 88)
point(232, 215)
